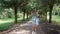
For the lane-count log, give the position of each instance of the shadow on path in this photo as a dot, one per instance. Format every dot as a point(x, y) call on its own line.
point(26, 28)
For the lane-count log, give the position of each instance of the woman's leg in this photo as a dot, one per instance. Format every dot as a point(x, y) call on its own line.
point(34, 28)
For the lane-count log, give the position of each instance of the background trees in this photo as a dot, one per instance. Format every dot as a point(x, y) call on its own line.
point(26, 6)
point(14, 4)
point(47, 5)
point(17, 10)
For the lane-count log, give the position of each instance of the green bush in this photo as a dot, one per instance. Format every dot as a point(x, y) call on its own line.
point(6, 26)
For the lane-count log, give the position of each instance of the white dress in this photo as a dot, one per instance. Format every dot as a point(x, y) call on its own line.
point(35, 20)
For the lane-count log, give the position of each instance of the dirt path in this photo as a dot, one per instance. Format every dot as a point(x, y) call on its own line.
point(26, 28)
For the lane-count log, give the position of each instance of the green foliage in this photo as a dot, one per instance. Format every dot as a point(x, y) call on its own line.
point(6, 26)
point(56, 9)
point(7, 23)
point(12, 3)
point(58, 2)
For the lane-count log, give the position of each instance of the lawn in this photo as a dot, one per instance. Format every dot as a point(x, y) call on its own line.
point(55, 18)
point(7, 23)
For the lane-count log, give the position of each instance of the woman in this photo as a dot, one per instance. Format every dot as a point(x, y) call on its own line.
point(35, 21)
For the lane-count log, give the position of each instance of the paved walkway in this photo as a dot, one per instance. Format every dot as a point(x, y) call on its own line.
point(26, 28)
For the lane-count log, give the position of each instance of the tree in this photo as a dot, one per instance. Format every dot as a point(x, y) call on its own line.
point(28, 10)
point(43, 8)
point(14, 4)
point(48, 4)
point(51, 4)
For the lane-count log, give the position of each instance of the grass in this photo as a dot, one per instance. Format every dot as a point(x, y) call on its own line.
point(55, 18)
point(8, 23)
point(6, 26)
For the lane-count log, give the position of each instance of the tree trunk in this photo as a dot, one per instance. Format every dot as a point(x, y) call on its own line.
point(27, 14)
point(50, 14)
point(15, 14)
point(46, 15)
point(9, 15)
point(23, 15)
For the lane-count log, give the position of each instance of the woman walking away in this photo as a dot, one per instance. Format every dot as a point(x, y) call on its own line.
point(34, 22)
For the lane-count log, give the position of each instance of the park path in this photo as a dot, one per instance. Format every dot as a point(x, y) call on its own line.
point(26, 28)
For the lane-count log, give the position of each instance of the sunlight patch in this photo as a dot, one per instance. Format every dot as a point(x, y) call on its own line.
point(25, 24)
point(22, 32)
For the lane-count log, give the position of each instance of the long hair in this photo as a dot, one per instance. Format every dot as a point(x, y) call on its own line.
point(34, 11)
